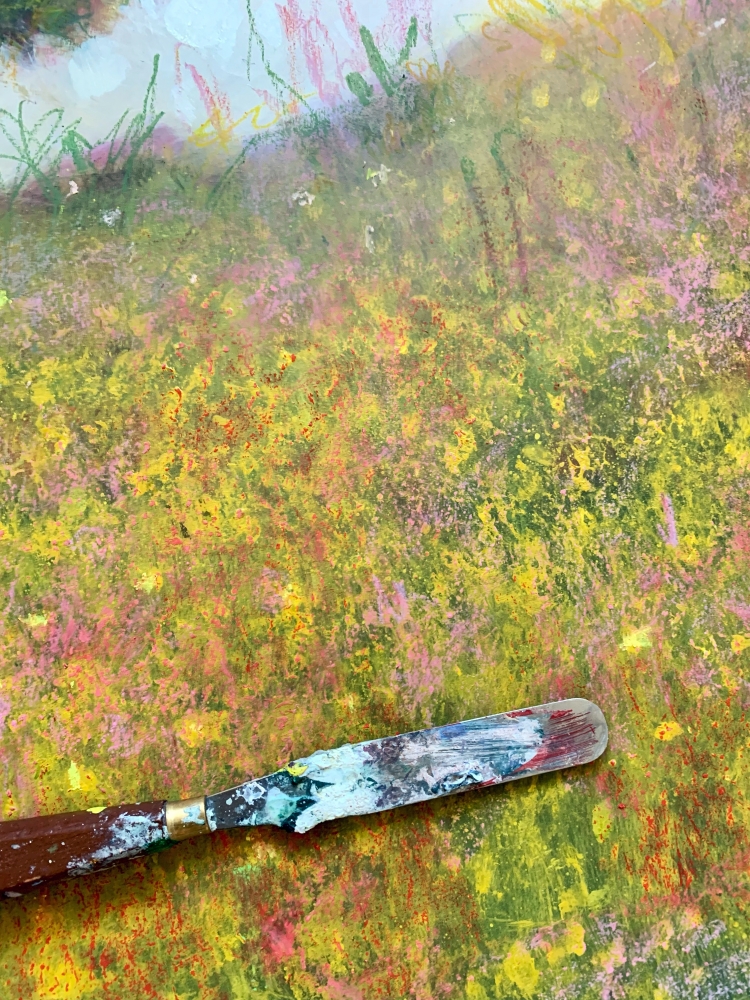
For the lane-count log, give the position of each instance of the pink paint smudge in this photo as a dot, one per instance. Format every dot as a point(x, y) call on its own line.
point(669, 537)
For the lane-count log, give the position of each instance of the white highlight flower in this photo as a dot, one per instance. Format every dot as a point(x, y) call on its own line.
point(303, 198)
point(110, 217)
point(379, 175)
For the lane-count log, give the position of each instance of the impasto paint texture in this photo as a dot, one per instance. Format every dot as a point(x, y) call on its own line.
point(428, 403)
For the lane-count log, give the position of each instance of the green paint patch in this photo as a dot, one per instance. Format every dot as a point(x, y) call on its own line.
point(246, 871)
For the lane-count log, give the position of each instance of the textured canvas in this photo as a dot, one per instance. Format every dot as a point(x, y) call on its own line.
point(366, 368)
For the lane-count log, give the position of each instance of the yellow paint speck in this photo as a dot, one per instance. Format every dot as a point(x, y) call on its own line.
point(540, 95)
point(601, 820)
point(590, 95)
point(74, 777)
point(667, 731)
point(549, 50)
point(296, 770)
point(456, 454)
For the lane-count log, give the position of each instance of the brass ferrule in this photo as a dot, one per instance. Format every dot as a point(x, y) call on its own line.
point(186, 818)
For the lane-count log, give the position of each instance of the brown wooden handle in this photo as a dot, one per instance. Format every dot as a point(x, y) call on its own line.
point(46, 849)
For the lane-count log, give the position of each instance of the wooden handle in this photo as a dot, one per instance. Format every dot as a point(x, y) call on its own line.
point(46, 849)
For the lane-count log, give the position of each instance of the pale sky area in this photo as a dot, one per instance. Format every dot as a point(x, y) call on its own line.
point(203, 49)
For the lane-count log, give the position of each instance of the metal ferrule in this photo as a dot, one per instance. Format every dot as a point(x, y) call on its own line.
point(186, 818)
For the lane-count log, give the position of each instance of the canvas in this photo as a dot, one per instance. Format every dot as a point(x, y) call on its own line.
point(366, 368)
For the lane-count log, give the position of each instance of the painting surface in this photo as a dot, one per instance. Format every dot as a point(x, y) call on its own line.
point(356, 379)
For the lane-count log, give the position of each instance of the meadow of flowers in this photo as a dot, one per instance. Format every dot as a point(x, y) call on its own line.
point(430, 407)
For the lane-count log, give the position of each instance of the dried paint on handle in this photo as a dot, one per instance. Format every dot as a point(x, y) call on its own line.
point(44, 849)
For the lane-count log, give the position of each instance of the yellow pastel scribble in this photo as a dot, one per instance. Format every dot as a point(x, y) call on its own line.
point(484, 875)
point(549, 50)
point(150, 581)
point(475, 990)
point(575, 940)
point(197, 728)
point(457, 454)
point(410, 425)
point(540, 95)
point(572, 942)
point(639, 639)
point(667, 731)
point(519, 967)
point(41, 393)
point(590, 95)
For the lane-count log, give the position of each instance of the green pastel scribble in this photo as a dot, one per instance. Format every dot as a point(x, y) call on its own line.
point(360, 88)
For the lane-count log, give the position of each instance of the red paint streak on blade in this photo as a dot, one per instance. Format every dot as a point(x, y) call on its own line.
point(566, 735)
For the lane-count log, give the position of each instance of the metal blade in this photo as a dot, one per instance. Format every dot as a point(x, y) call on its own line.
point(353, 780)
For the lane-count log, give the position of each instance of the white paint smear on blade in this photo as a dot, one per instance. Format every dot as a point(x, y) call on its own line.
point(439, 763)
point(130, 835)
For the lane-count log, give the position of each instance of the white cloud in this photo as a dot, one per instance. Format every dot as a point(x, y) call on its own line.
point(205, 25)
point(97, 68)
